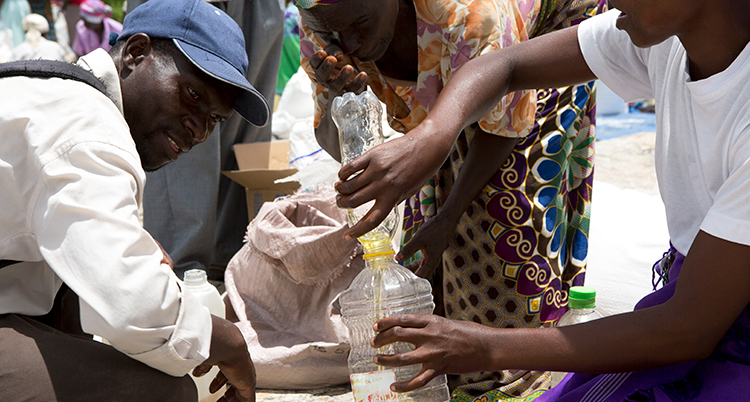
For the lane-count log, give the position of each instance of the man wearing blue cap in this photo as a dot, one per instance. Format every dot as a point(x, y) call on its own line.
point(74, 259)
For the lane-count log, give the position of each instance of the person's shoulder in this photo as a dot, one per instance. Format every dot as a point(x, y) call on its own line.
point(114, 25)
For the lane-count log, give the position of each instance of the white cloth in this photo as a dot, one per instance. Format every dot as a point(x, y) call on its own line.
point(71, 183)
point(45, 49)
point(703, 128)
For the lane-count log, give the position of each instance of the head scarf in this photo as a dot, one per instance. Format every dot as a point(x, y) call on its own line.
point(308, 4)
point(35, 26)
point(93, 11)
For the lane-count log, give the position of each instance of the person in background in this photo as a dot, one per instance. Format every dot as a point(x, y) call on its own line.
point(95, 27)
point(690, 339)
point(44, 8)
point(74, 259)
point(197, 214)
point(503, 223)
point(12, 13)
point(36, 45)
point(71, 10)
point(290, 58)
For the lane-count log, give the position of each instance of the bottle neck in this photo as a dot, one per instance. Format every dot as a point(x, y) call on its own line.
point(379, 260)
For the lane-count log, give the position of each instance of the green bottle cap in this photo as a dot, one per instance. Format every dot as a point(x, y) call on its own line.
point(581, 297)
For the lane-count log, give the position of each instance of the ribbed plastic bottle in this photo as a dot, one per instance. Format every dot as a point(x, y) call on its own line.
point(196, 282)
point(581, 308)
point(358, 118)
point(384, 288)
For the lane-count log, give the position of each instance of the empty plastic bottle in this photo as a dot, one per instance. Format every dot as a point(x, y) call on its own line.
point(196, 282)
point(358, 119)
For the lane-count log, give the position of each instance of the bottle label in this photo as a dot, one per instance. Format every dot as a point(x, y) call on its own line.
point(374, 386)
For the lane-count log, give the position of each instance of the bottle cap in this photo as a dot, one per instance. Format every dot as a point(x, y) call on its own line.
point(195, 277)
point(581, 297)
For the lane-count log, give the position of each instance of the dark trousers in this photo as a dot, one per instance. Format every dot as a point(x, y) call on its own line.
point(41, 363)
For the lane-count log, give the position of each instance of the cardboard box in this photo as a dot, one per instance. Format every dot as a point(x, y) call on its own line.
point(260, 164)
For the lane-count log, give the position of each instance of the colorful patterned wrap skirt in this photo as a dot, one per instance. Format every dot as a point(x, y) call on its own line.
point(523, 242)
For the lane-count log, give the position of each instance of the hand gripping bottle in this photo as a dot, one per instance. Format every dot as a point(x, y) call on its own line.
point(196, 282)
point(383, 288)
point(581, 308)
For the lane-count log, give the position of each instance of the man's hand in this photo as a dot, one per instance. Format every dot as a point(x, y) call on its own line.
point(166, 259)
point(335, 71)
point(442, 346)
point(229, 352)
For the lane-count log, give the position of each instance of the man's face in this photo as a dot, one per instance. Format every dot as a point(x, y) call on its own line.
point(649, 23)
point(171, 105)
point(363, 29)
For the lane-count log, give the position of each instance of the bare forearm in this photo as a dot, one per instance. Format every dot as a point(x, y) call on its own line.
point(618, 343)
point(550, 61)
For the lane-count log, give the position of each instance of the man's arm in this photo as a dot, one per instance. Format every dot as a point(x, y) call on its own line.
point(397, 169)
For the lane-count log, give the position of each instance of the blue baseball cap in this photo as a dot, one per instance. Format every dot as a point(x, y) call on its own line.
point(209, 38)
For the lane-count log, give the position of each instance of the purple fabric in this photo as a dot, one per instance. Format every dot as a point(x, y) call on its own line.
point(87, 40)
point(723, 376)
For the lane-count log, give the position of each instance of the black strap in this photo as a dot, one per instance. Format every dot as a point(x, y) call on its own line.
point(5, 263)
point(49, 69)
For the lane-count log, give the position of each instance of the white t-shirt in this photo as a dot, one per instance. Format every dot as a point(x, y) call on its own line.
point(71, 182)
point(702, 134)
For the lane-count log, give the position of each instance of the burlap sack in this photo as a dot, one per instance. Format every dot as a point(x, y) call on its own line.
point(283, 284)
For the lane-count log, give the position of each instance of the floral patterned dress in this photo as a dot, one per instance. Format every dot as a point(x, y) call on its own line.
point(523, 241)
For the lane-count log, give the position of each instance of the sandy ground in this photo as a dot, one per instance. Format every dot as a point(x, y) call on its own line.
point(627, 162)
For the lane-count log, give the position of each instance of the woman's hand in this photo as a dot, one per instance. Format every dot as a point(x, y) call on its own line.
point(432, 239)
point(442, 346)
point(335, 71)
point(390, 173)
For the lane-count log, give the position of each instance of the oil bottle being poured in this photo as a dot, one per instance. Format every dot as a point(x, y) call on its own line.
point(383, 288)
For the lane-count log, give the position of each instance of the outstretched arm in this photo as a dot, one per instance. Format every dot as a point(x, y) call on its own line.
point(713, 289)
point(397, 169)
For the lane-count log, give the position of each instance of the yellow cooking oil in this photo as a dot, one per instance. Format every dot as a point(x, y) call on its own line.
point(378, 253)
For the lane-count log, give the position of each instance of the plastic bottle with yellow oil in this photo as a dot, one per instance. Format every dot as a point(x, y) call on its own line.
point(384, 288)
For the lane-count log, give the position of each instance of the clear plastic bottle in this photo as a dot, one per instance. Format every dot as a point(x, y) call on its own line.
point(196, 282)
point(581, 308)
point(383, 288)
point(358, 119)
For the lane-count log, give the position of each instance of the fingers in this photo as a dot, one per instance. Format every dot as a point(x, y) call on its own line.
point(369, 222)
point(202, 370)
point(358, 84)
point(417, 382)
point(403, 320)
point(317, 58)
point(408, 250)
point(349, 169)
point(219, 381)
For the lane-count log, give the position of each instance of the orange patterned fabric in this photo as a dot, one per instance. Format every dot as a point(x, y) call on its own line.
point(450, 33)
